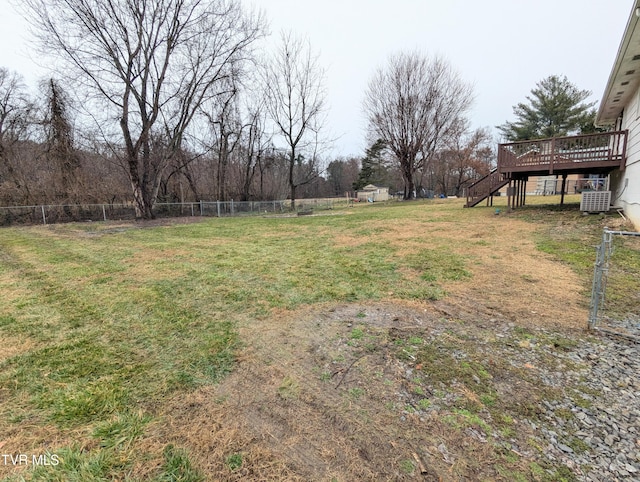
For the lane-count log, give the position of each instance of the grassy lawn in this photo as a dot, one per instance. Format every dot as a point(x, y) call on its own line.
point(102, 323)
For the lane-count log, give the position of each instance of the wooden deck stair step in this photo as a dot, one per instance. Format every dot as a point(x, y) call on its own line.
point(485, 187)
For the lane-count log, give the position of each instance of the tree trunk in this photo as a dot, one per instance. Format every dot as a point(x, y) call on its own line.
point(249, 173)
point(223, 160)
point(293, 197)
point(142, 202)
point(192, 185)
point(292, 185)
point(408, 178)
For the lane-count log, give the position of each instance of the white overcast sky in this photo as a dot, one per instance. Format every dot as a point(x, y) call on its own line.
point(502, 47)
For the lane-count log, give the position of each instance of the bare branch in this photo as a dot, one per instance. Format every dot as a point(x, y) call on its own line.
point(295, 101)
point(148, 65)
point(413, 104)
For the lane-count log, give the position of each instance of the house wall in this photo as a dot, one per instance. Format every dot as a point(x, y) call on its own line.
point(535, 185)
point(625, 184)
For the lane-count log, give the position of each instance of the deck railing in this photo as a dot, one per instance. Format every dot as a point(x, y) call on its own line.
point(607, 149)
point(484, 187)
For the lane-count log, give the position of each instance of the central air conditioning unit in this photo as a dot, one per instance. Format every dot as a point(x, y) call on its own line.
point(595, 201)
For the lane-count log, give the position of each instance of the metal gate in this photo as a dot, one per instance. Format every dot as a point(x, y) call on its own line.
point(627, 321)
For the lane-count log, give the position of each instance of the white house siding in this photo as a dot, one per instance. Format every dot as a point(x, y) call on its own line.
point(626, 184)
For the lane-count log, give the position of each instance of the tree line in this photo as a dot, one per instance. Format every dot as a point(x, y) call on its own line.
point(46, 159)
point(181, 100)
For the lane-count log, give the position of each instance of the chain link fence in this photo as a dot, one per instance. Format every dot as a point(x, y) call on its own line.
point(51, 214)
point(615, 292)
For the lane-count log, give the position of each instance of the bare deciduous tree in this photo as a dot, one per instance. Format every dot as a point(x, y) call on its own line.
point(471, 157)
point(412, 105)
point(149, 65)
point(225, 128)
point(466, 156)
point(256, 143)
point(15, 122)
point(14, 109)
point(342, 174)
point(295, 102)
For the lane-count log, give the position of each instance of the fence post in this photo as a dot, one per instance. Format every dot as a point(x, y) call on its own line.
point(201, 208)
point(595, 288)
point(232, 207)
point(104, 213)
point(218, 203)
point(44, 218)
point(599, 278)
point(191, 209)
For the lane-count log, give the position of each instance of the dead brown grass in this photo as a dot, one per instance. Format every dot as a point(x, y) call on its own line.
point(11, 346)
point(305, 405)
point(508, 272)
point(34, 438)
point(208, 425)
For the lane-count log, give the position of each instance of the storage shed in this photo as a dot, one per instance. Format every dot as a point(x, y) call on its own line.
point(371, 193)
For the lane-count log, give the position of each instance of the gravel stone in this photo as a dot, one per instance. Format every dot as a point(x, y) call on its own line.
point(607, 372)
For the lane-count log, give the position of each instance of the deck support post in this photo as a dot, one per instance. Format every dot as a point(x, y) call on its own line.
point(519, 192)
point(562, 189)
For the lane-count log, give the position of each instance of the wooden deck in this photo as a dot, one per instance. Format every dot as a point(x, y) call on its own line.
point(573, 155)
point(598, 153)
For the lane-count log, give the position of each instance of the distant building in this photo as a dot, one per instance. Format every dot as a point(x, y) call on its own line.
point(371, 193)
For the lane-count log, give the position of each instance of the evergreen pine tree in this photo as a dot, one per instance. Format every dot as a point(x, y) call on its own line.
point(555, 108)
point(374, 168)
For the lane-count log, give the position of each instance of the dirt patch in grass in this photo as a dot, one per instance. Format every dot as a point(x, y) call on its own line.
point(351, 392)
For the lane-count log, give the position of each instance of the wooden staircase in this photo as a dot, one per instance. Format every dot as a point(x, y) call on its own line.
point(485, 187)
point(599, 153)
